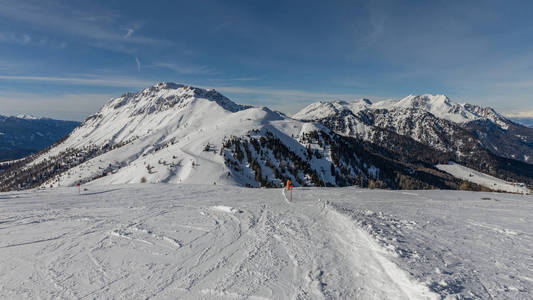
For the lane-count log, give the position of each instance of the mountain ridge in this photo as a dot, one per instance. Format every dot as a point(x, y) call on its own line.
point(439, 105)
point(176, 133)
point(406, 116)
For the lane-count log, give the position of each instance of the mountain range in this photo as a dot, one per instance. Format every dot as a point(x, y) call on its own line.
point(23, 135)
point(433, 120)
point(176, 133)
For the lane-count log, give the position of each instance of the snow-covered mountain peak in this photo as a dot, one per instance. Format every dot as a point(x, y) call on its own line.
point(439, 105)
point(426, 101)
point(443, 107)
point(167, 85)
point(176, 133)
point(27, 117)
point(363, 101)
point(320, 110)
point(323, 109)
point(166, 95)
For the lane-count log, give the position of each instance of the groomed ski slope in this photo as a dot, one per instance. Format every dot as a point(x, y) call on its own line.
point(225, 242)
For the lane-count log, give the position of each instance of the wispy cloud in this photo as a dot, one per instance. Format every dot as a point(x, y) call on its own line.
point(243, 79)
point(69, 20)
point(376, 20)
point(129, 33)
point(12, 38)
point(288, 93)
point(93, 80)
point(62, 106)
point(287, 100)
point(9, 65)
point(520, 114)
point(185, 69)
point(26, 39)
point(31, 40)
point(117, 81)
point(138, 63)
point(233, 79)
point(522, 83)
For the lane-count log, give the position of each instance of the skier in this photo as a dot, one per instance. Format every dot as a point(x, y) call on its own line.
point(289, 185)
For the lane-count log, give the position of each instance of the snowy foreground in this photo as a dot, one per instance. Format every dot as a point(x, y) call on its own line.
point(223, 242)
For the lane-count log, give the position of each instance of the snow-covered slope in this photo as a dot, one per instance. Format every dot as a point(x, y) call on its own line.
point(164, 106)
point(483, 179)
point(223, 242)
point(161, 133)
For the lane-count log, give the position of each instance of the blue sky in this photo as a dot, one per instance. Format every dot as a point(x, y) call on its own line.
point(65, 59)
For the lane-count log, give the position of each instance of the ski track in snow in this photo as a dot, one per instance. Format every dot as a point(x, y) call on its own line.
point(222, 242)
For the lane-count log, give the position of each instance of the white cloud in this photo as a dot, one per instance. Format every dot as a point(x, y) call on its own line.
point(116, 81)
point(93, 80)
point(129, 33)
point(138, 63)
point(287, 100)
point(72, 21)
point(185, 69)
point(520, 114)
point(9, 66)
point(289, 93)
point(12, 38)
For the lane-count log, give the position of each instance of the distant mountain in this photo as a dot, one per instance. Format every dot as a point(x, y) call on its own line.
point(175, 133)
point(435, 121)
point(24, 134)
point(528, 122)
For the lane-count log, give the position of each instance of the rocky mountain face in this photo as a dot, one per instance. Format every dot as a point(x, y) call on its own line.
point(176, 133)
point(23, 135)
point(435, 121)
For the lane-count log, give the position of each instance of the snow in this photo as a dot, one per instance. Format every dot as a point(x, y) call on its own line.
point(482, 179)
point(9, 162)
point(27, 117)
point(439, 105)
point(213, 242)
point(163, 131)
point(165, 127)
point(323, 109)
point(223, 208)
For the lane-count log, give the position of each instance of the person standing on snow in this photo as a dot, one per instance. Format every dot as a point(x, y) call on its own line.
point(289, 188)
point(289, 184)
